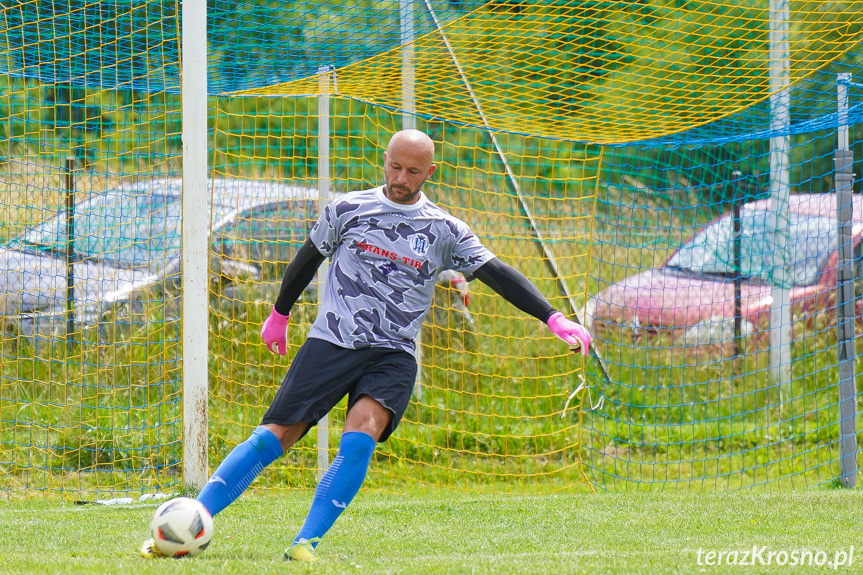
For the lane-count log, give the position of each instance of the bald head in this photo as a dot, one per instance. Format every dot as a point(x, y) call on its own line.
point(408, 162)
point(413, 140)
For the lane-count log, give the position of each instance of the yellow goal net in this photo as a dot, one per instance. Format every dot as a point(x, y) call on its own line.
point(584, 141)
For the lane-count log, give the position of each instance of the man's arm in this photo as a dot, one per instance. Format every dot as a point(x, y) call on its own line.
point(297, 276)
point(512, 286)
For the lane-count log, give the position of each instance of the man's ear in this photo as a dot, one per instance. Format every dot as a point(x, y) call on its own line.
point(431, 169)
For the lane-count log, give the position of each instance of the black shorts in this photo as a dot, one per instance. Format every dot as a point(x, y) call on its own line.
point(323, 373)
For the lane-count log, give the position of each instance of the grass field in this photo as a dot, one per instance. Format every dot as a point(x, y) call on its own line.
point(443, 533)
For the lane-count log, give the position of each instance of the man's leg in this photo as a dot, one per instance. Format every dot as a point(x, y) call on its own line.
point(267, 443)
point(304, 395)
point(366, 422)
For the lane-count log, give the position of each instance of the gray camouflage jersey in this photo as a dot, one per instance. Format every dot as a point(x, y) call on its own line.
point(385, 259)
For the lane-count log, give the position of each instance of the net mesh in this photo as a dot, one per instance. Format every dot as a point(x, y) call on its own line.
point(90, 390)
point(493, 382)
point(585, 142)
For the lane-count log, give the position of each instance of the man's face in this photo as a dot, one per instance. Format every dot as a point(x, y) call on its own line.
point(406, 168)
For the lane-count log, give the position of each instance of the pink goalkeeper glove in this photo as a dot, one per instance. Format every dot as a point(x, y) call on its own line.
point(274, 331)
point(572, 333)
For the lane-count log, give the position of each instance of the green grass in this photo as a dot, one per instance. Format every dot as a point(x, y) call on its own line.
point(442, 533)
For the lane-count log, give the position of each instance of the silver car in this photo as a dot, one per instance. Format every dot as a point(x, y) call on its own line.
point(125, 243)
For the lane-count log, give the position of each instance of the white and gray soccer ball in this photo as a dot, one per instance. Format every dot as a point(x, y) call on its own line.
point(181, 527)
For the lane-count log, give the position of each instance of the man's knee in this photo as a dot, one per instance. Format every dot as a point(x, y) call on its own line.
point(287, 435)
point(368, 416)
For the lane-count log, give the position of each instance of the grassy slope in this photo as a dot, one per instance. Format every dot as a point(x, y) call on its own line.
point(444, 533)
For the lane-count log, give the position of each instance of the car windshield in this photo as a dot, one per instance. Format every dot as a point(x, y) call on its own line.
point(811, 239)
point(126, 228)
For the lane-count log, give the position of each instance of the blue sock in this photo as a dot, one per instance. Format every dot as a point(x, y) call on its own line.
point(239, 469)
point(339, 485)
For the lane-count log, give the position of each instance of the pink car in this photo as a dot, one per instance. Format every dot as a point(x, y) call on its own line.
point(696, 284)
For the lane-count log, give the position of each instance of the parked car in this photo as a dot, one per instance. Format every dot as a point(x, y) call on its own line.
point(695, 286)
point(126, 241)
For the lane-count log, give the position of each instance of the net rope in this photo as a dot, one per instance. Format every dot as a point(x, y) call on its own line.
point(584, 141)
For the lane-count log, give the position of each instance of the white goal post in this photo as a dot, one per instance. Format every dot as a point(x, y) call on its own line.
point(195, 258)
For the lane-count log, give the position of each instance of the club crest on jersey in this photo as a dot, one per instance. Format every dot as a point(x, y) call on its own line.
point(419, 244)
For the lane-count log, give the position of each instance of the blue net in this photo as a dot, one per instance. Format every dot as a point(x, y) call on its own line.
point(130, 45)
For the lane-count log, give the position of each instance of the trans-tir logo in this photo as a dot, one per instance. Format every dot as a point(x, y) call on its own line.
point(419, 244)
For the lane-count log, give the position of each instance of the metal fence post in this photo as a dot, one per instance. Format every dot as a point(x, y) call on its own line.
point(70, 250)
point(845, 336)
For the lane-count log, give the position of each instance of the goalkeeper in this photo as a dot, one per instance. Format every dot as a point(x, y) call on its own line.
point(387, 245)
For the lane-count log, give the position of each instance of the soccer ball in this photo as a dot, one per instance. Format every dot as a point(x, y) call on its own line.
point(181, 527)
